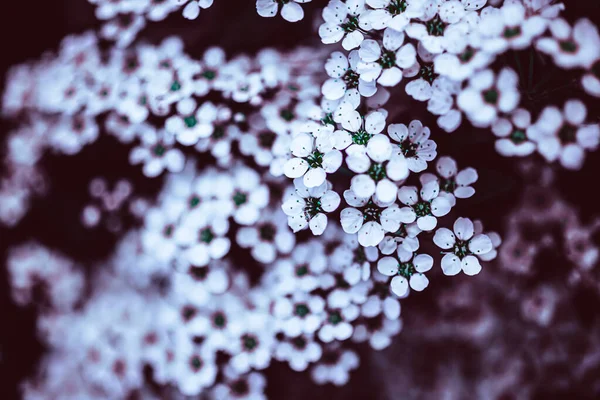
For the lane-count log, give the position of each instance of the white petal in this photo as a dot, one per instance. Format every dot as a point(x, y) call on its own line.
point(427, 223)
point(451, 264)
point(351, 220)
point(318, 224)
point(464, 229)
point(371, 234)
point(470, 265)
point(292, 12)
point(480, 244)
point(423, 262)
point(314, 177)
point(419, 282)
point(295, 168)
point(388, 266)
point(444, 238)
point(399, 286)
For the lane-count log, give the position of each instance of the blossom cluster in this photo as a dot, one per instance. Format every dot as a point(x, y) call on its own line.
point(295, 209)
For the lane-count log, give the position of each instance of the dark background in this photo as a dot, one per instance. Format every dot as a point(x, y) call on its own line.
point(30, 28)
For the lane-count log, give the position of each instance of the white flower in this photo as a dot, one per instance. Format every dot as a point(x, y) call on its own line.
point(300, 314)
point(509, 28)
point(307, 206)
point(344, 77)
point(342, 22)
point(565, 136)
point(195, 370)
point(335, 366)
point(357, 132)
point(291, 11)
point(453, 184)
point(572, 47)
point(414, 144)
point(424, 206)
point(441, 22)
point(205, 241)
point(463, 246)
point(310, 162)
point(384, 62)
point(299, 352)
point(192, 8)
point(407, 270)
point(268, 237)
point(513, 139)
point(157, 155)
point(371, 220)
point(188, 126)
point(486, 95)
point(394, 14)
point(250, 386)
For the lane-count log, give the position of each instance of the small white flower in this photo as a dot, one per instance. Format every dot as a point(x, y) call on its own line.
point(307, 206)
point(513, 139)
point(414, 144)
point(344, 77)
point(394, 14)
point(343, 22)
point(157, 154)
point(464, 246)
point(565, 136)
point(290, 11)
point(453, 183)
point(487, 95)
point(192, 8)
point(407, 270)
point(383, 62)
point(309, 162)
point(424, 206)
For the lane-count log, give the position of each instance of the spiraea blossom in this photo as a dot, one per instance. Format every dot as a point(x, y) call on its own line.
point(272, 205)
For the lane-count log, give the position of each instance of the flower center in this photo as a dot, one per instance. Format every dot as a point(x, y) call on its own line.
point(175, 86)
point(461, 248)
point(267, 232)
point(315, 159)
point(168, 231)
point(196, 363)
point(388, 59)
point(396, 7)
point(361, 137)
point(209, 74)
point(568, 46)
point(286, 114)
point(351, 79)
point(199, 273)
point(219, 320)
point(194, 201)
point(371, 212)
point(301, 310)
point(518, 136)
point(422, 208)
point(426, 72)
point(301, 270)
point(351, 24)
point(249, 342)
point(406, 269)
point(377, 172)
point(490, 96)
point(328, 119)
point(436, 26)
point(334, 318)
point(313, 207)
point(510, 33)
point(206, 235)
point(158, 150)
point(408, 148)
point(188, 313)
point(239, 198)
point(299, 342)
point(218, 132)
point(266, 139)
point(448, 185)
point(240, 387)
point(466, 55)
point(567, 134)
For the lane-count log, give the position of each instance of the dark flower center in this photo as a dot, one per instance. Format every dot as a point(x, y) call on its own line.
point(240, 387)
point(239, 198)
point(408, 148)
point(510, 33)
point(461, 248)
point(351, 79)
point(175, 86)
point(422, 208)
point(467, 55)
point(196, 363)
point(301, 310)
point(448, 185)
point(168, 231)
point(158, 150)
point(218, 132)
point(266, 139)
point(361, 137)
point(335, 318)
point(426, 72)
point(568, 46)
point(299, 342)
point(436, 26)
point(406, 269)
point(190, 121)
point(286, 114)
point(249, 342)
point(188, 313)
point(194, 201)
point(301, 270)
point(518, 136)
point(396, 7)
point(490, 96)
point(388, 59)
point(371, 212)
point(206, 235)
point(267, 232)
point(209, 74)
point(351, 24)
point(567, 134)
point(328, 119)
point(219, 320)
point(315, 159)
point(312, 207)
point(377, 172)
point(199, 273)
